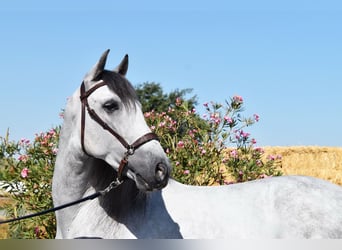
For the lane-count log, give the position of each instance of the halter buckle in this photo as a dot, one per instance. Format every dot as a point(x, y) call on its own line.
point(114, 184)
point(130, 150)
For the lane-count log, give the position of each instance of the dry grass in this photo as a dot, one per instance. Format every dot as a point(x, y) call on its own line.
point(3, 231)
point(321, 162)
point(3, 228)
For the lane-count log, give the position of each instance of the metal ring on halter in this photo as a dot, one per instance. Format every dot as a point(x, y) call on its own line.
point(112, 185)
point(130, 150)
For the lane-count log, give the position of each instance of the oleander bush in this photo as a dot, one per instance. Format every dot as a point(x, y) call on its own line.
point(26, 170)
point(203, 149)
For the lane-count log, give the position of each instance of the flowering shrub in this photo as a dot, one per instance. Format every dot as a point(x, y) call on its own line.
point(27, 169)
point(215, 149)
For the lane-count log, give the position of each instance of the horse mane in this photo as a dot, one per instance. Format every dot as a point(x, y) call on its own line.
point(121, 86)
point(120, 201)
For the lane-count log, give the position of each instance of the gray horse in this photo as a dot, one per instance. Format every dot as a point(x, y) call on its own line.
point(105, 138)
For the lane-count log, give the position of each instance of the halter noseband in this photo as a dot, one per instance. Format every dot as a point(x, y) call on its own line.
point(130, 147)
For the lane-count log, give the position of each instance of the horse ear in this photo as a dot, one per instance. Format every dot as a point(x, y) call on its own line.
point(123, 66)
point(98, 67)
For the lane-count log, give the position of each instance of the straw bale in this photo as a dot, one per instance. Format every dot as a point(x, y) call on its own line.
point(321, 162)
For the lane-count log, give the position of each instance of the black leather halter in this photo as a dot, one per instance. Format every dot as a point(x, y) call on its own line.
point(129, 147)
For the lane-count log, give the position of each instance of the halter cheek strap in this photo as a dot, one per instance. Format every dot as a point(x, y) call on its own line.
point(129, 147)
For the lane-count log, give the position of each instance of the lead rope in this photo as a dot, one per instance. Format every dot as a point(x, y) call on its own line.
point(114, 184)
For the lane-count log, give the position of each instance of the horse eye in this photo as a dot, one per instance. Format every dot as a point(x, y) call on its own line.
point(111, 106)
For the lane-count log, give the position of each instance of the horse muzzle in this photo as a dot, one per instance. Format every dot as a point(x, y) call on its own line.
point(157, 180)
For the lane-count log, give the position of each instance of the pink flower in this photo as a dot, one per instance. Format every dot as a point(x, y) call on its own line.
point(226, 182)
point(37, 231)
point(24, 141)
point(186, 172)
point(178, 101)
point(24, 172)
point(191, 133)
point(253, 141)
point(245, 135)
point(238, 99)
point(161, 124)
point(180, 144)
point(52, 132)
point(45, 142)
point(228, 119)
point(272, 157)
point(215, 118)
point(23, 158)
point(205, 104)
point(259, 150)
point(55, 151)
point(256, 117)
point(263, 176)
point(234, 153)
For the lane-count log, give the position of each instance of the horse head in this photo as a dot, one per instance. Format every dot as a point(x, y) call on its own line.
point(112, 127)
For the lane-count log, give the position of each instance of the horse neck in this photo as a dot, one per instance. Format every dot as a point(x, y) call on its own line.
point(71, 168)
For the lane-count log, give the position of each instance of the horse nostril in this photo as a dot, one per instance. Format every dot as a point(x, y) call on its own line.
point(161, 172)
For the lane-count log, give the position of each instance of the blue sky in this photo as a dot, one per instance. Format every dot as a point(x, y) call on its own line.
point(283, 57)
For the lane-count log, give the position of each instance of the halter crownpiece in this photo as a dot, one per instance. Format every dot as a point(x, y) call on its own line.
point(129, 147)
